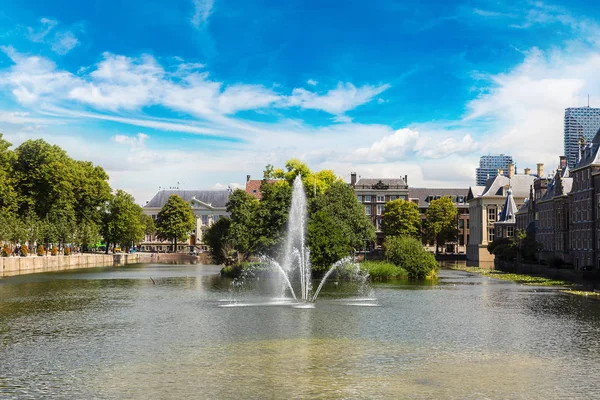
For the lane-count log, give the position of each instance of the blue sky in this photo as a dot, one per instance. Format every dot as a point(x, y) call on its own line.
point(204, 92)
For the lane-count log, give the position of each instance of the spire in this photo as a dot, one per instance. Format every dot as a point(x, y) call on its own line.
point(510, 208)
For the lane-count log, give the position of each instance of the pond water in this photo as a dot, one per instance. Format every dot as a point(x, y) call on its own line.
point(113, 333)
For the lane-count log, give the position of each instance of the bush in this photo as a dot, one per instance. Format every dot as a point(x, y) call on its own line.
point(40, 250)
point(5, 251)
point(24, 251)
point(382, 271)
point(67, 251)
point(556, 262)
point(409, 254)
point(54, 251)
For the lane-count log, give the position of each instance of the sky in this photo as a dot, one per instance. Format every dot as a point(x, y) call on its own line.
point(197, 94)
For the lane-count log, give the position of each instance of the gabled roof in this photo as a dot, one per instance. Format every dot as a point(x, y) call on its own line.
point(424, 195)
point(475, 191)
point(216, 198)
point(590, 154)
point(509, 211)
point(525, 208)
point(518, 183)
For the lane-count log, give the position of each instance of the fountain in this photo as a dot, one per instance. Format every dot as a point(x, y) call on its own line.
point(294, 272)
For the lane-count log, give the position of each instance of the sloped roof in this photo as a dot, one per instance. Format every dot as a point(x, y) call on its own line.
point(475, 191)
point(509, 211)
point(393, 183)
point(253, 187)
point(525, 208)
point(216, 198)
point(423, 193)
point(518, 183)
point(590, 154)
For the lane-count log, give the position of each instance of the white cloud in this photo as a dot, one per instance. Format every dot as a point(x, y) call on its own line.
point(202, 10)
point(336, 101)
point(64, 42)
point(133, 141)
point(37, 35)
point(61, 42)
point(312, 82)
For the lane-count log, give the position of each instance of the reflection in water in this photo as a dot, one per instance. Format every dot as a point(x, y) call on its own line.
point(112, 334)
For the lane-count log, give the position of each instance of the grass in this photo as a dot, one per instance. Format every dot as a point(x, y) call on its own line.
point(519, 278)
point(581, 293)
point(383, 271)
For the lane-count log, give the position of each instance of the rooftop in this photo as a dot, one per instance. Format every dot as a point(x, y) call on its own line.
point(216, 198)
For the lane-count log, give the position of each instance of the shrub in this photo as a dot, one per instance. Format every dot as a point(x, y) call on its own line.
point(24, 250)
point(382, 271)
point(5, 251)
point(67, 251)
point(408, 253)
point(40, 250)
point(54, 251)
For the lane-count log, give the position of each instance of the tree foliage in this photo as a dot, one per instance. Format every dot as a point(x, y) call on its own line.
point(401, 218)
point(122, 223)
point(408, 253)
point(440, 220)
point(216, 238)
point(174, 221)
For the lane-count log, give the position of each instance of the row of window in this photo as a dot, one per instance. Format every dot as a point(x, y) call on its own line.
point(378, 199)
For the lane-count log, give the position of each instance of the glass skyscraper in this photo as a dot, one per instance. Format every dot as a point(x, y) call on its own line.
point(579, 121)
point(488, 167)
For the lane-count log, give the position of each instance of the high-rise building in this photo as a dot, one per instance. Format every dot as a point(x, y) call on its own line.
point(489, 165)
point(579, 121)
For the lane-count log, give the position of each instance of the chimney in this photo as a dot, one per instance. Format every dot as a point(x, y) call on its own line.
point(563, 162)
point(527, 171)
point(406, 179)
point(500, 171)
point(511, 170)
point(247, 178)
point(540, 170)
point(352, 179)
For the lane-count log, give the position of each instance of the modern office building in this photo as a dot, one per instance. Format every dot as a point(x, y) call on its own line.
point(489, 165)
point(579, 122)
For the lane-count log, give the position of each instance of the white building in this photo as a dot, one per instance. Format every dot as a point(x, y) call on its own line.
point(208, 206)
point(485, 205)
point(579, 121)
point(489, 166)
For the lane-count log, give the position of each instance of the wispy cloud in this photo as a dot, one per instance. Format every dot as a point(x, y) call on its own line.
point(61, 42)
point(202, 11)
point(312, 82)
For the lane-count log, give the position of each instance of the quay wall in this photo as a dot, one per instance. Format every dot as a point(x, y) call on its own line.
point(588, 279)
point(11, 266)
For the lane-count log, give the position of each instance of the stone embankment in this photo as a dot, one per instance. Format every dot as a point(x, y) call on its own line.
point(588, 279)
point(11, 266)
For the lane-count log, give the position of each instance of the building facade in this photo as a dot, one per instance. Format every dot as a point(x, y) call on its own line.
point(208, 206)
point(373, 193)
point(422, 197)
point(486, 204)
point(579, 122)
point(489, 166)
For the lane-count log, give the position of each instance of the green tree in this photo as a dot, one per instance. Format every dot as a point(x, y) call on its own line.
point(216, 238)
point(400, 218)
point(148, 224)
point(344, 211)
point(272, 215)
point(244, 229)
point(8, 195)
point(440, 221)
point(122, 223)
point(408, 253)
point(175, 220)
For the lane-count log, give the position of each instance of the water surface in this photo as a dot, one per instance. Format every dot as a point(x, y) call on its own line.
point(111, 333)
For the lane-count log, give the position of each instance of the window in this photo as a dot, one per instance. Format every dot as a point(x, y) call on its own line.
point(492, 214)
point(510, 231)
point(392, 198)
point(359, 198)
point(205, 220)
point(154, 216)
point(368, 199)
point(380, 199)
point(368, 210)
point(379, 209)
point(490, 235)
point(461, 223)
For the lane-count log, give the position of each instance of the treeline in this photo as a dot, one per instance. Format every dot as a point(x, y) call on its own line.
point(49, 199)
point(337, 224)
